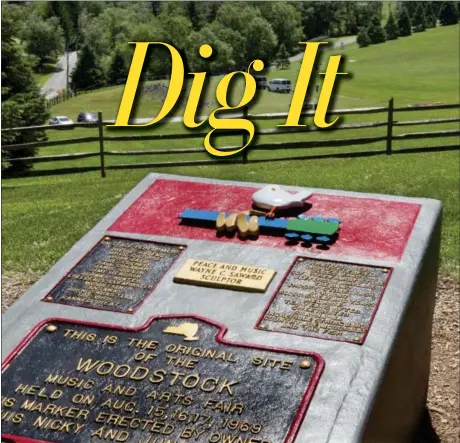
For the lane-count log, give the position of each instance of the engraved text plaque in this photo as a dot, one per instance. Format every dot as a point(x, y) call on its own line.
point(326, 299)
point(225, 275)
point(116, 275)
point(176, 379)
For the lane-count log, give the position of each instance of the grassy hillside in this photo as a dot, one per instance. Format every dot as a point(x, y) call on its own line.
point(44, 216)
point(421, 68)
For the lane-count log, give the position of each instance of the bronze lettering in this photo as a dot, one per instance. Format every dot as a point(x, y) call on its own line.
point(117, 392)
point(327, 300)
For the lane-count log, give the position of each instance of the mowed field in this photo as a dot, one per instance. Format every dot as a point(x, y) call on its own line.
point(44, 216)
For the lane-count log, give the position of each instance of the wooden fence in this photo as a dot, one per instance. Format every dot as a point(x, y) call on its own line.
point(64, 94)
point(387, 140)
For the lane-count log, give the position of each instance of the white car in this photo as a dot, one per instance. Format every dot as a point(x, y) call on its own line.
point(61, 120)
point(280, 85)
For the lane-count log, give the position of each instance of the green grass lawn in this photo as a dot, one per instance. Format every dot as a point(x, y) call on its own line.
point(44, 216)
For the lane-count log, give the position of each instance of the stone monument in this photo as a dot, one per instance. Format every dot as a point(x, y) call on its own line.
point(187, 314)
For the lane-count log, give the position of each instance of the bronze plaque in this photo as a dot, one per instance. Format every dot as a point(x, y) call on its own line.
point(116, 275)
point(225, 275)
point(176, 379)
point(326, 299)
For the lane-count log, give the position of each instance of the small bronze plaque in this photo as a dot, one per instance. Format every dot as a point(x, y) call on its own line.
point(326, 299)
point(176, 379)
point(225, 275)
point(116, 275)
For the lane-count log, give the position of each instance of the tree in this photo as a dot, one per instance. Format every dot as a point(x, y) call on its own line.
point(419, 20)
point(221, 58)
point(22, 103)
point(117, 23)
point(431, 17)
point(313, 19)
point(192, 13)
point(235, 16)
point(17, 14)
point(118, 70)
point(375, 31)
point(282, 58)
point(95, 33)
point(155, 6)
point(43, 38)
point(261, 41)
point(363, 39)
point(176, 29)
point(158, 59)
point(404, 23)
point(88, 73)
point(391, 28)
point(67, 12)
point(286, 22)
point(234, 40)
point(448, 15)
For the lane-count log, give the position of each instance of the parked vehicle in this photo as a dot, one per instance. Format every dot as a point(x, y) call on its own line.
point(87, 117)
point(280, 85)
point(61, 120)
point(261, 82)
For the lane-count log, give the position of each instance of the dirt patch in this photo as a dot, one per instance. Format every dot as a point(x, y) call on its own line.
point(14, 286)
point(159, 91)
point(442, 422)
point(443, 393)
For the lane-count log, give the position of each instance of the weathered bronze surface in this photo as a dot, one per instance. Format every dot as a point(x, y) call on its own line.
point(225, 275)
point(177, 380)
point(326, 299)
point(116, 275)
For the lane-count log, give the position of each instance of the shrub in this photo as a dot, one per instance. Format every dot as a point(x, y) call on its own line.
point(448, 14)
point(419, 20)
point(391, 28)
point(375, 31)
point(363, 39)
point(88, 73)
point(404, 22)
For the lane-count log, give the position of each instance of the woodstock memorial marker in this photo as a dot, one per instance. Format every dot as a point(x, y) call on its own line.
point(208, 311)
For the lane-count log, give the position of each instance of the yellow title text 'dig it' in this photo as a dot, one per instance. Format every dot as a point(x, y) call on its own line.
point(177, 81)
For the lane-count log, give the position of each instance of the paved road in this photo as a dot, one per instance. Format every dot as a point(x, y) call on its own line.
point(345, 40)
point(58, 79)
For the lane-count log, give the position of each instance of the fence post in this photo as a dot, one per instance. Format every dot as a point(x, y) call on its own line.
point(101, 142)
point(390, 125)
point(245, 136)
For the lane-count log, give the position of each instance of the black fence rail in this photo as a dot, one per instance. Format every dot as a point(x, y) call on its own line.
point(387, 140)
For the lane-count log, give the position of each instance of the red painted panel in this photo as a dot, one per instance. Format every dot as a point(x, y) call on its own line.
point(371, 228)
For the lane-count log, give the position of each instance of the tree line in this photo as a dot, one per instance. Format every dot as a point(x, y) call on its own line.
point(239, 32)
point(409, 17)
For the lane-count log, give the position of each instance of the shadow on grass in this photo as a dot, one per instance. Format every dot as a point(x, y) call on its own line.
point(48, 172)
